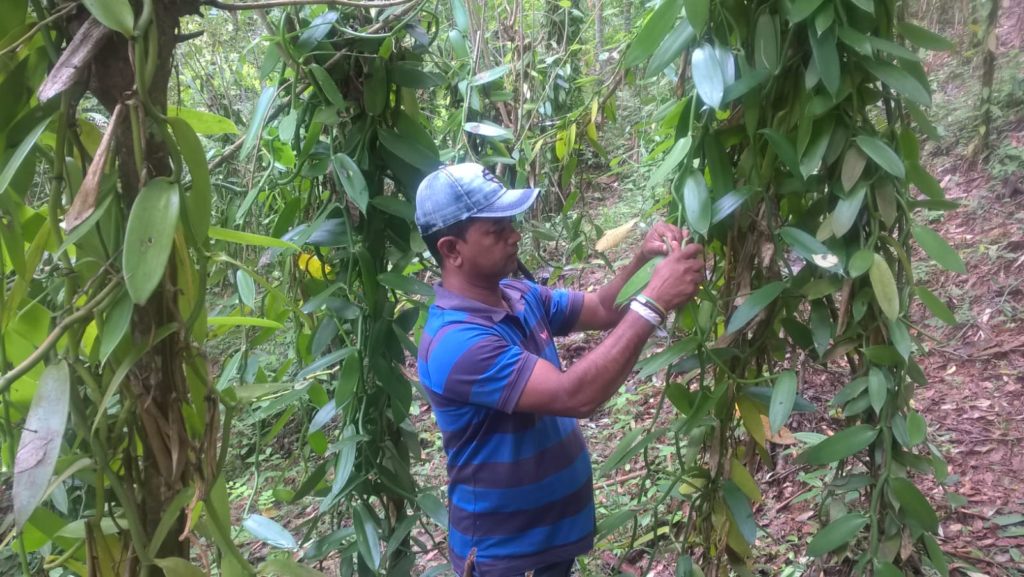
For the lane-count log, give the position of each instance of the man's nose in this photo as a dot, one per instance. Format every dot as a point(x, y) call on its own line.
point(516, 236)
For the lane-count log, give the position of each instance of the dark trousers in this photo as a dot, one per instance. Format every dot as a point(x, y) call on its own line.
point(562, 569)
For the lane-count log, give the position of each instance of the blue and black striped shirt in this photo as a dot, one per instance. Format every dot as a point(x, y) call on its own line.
point(520, 485)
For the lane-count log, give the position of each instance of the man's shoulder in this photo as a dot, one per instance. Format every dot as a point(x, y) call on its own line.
point(453, 329)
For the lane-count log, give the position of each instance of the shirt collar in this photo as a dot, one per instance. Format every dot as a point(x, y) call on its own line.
point(446, 299)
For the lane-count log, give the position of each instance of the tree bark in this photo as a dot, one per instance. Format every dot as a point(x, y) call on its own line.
point(598, 7)
point(988, 74)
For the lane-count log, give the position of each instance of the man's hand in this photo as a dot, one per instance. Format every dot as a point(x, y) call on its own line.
point(677, 278)
point(654, 243)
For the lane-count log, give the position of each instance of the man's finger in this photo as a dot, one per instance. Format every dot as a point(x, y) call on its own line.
point(692, 251)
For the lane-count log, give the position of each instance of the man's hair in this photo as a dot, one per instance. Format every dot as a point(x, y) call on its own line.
point(458, 230)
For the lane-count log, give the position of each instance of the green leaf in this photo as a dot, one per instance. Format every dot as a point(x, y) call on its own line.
point(707, 75)
point(40, 442)
point(754, 304)
point(801, 9)
point(408, 150)
point(839, 446)
point(865, 5)
point(900, 81)
point(882, 154)
point(783, 397)
point(24, 147)
point(745, 84)
point(259, 116)
point(238, 321)
point(675, 155)
point(784, 149)
point(878, 389)
point(149, 237)
point(406, 284)
point(205, 123)
point(327, 86)
point(937, 248)
point(488, 130)
point(114, 14)
point(286, 568)
point(270, 532)
point(489, 75)
point(679, 39)
point(853, 167)
point(197, 199)
point(936, 306)
point(917, 428)
point(826, 58)
point(924, 181)
point(115, 325)
point(697, 202)
point(638, 281)
point(178, 567)
point(889, 47)
point(836, 534)
point(884, 286)
point(766, 43)
point(861, 262)
point(434, 508)
point(248, 238)
point(924, 38)
point(460, 15)
point(935, 555)
point(886, 569)
point(351, 179)
point(809, 248)
point(847, 210)
point(697, 12)
point(914, 505)
point(740, 511)
point(366, 536)
point(246, 288)
point(654, 32)
point(725, 205)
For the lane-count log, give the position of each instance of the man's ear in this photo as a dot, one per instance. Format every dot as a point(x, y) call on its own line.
point(448, 247)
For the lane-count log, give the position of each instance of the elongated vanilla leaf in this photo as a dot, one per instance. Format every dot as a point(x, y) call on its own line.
point(115, 325)
point(612, 238)
point(707, 75)
point(238, 321)
point(406, 284)
point(836, 534)
point(725, 205)
point(638, 281)
point(924, 38)
point(913, 505)
point(783, 398)
point(198, 196)
point(178, 567)
point(784, 149)
point(675, 155)
point(246, 288)
point(884, 285)
point(285, 568)
point(114, 14)
point(801, 9)
point(488, 130)
point(15, 160)
point(248, 238)
point(697, 202)
point(202, 122)
point(936, 306)
point(847, 210)
point(149, 236)
point(40, 441)
point(367, 539)
point(883, 155)
point(259, 117)
point(810, 248)
point(270, 532)
point(900, 81)
point(327, 85)
point(853, 167)
point(938, 249)
point(655, 29)
point(742, 513)
point(679, 39)
point(698, 12)
point(352, 180)
point(755, 303)
point(839, 446)
point(489, 75)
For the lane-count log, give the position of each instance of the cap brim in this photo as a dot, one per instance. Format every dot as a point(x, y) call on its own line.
point(511, 202)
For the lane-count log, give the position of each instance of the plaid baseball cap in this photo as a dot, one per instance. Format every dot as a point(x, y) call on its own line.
point(454, 193)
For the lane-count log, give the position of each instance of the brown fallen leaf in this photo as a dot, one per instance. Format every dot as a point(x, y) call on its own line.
point(85, 201)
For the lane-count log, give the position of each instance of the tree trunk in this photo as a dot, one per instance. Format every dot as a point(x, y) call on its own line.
point(627, 16)
point(988, 73)
point(598, 7)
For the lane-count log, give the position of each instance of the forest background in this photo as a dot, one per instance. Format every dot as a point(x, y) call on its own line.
point(212, 288)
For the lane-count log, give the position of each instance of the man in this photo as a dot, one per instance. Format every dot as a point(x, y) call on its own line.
point(520, 486)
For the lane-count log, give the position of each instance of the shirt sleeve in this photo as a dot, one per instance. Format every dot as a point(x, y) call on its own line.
point(474, 365)
point(563, 308)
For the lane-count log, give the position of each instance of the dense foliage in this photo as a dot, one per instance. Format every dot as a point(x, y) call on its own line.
point(173, 283)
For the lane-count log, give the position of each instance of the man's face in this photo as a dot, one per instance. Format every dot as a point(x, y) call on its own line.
point(491, 248)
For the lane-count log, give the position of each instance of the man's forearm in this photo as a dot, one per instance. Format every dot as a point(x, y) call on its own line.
point(595, 377)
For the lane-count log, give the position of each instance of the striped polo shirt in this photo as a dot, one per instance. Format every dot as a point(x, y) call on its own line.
point(520, 487)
